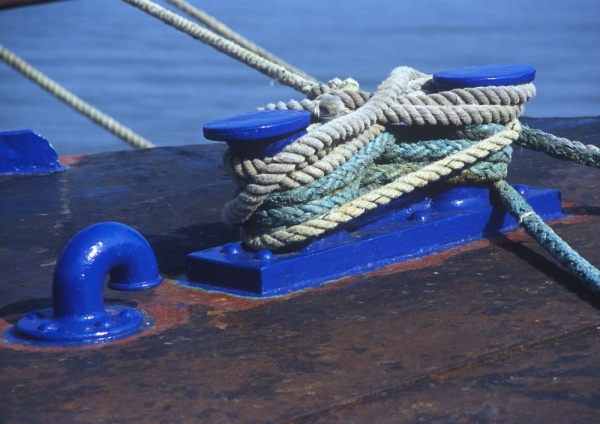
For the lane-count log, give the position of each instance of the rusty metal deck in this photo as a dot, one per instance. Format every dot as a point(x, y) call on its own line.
point(495, 331)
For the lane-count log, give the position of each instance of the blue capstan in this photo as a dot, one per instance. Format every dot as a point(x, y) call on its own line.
point(79, 315)
point(25, 152)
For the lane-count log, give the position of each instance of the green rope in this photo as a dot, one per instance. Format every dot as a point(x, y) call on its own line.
point(548, 239)
point(381, 162)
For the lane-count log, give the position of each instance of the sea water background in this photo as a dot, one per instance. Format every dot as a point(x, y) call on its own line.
point(165, 85)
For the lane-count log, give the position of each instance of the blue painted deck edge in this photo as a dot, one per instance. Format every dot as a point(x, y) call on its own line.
point(26, 152)
point(242, 275)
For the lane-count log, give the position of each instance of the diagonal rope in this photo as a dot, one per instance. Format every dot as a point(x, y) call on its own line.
point(230, 48)
point(546, 237)
point(221, 29)
point(73, 101)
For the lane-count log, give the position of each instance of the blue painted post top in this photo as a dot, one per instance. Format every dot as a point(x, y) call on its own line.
point(259, 134)
point(484, 76)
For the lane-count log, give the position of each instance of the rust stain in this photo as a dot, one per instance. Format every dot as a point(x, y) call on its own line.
point(170, 306)
point(439, 258)
point(72, 159)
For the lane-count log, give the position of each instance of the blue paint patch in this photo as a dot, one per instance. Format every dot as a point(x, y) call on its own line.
point(25, 152)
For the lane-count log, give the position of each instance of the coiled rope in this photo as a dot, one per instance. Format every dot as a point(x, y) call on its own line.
point(73, 101)
point(369, 149)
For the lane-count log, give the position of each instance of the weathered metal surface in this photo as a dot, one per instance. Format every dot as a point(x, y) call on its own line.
point(495, 331)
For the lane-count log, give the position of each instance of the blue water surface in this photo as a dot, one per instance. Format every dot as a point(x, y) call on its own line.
point(165, 85)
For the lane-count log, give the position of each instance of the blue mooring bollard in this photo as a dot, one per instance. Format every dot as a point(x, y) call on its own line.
point(413, 226)
point(79, 315)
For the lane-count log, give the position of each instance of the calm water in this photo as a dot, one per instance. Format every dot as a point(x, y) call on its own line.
point(164, 85)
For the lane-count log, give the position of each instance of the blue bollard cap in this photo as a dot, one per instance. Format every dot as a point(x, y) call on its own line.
point(484, 76)
point(257, 125)
point(259, 134)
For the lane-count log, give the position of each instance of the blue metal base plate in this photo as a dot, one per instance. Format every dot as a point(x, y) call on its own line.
point(40, 328)
point(411, 227)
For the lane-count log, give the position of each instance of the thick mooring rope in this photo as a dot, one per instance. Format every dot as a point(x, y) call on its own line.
point(548, 239)
point(73, 101)
point(403, 98)
point(383, 195)
point(373, 148)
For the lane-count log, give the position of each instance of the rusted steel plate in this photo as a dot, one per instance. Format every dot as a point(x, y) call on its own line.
point(451, 320)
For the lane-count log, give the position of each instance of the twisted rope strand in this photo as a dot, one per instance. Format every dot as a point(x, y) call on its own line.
point(560, 148)
point(222, 29)
point(546, 237)
point(73, 101)
point(225, 46)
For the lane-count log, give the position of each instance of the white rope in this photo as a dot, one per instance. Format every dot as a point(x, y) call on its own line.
point(73, 101)
point(220, 28)
point(231, 49)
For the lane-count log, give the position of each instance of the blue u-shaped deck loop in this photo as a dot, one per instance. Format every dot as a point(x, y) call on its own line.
point(410, 227)
point(26, 152)
point(79, 315)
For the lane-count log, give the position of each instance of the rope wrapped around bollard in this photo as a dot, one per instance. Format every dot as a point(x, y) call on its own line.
point(365, 150)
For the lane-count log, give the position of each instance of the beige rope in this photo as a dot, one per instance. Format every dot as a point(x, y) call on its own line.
point(403, 97)
point(72, 100)
point(225, 46)
point(220, 28)
point(381, 196)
